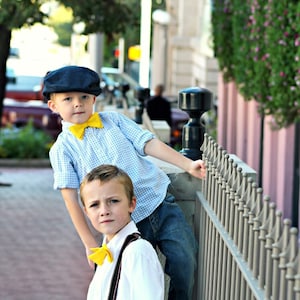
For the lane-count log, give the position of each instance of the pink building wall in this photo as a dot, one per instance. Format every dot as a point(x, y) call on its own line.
point(239, 132)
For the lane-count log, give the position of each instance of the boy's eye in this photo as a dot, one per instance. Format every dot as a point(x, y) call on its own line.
point(113, 201)
point(67, 99)
point(95, 204)
point(85, 97)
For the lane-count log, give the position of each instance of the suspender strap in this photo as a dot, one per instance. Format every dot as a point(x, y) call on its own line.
point(117, 272)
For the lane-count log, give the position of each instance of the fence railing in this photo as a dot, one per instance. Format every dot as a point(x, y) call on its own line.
point(246, 249)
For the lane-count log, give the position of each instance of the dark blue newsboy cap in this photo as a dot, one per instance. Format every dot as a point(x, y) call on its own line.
point(71, 79)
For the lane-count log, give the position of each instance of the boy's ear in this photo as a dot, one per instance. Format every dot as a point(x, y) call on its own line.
point(132, 204)
point(52, 105)
point(84, 210)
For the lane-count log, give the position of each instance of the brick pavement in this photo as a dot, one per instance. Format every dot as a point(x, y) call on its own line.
point(41, 255)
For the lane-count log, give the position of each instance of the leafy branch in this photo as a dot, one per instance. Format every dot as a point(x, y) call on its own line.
point(257, 44)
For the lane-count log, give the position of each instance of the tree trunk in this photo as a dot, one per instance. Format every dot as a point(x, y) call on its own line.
point(5, 36)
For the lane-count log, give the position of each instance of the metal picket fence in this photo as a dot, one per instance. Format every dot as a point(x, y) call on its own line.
point(246, 249)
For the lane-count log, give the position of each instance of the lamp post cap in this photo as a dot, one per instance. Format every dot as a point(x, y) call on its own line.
point(195, 98)
point(161, 17)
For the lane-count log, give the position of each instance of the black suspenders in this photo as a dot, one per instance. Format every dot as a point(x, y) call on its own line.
point(117, 272)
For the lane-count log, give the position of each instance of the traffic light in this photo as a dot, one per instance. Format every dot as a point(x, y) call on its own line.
point(116, 52)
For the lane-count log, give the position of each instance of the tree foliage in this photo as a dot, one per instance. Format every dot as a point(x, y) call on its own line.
point(257, 44)
point(107, 16)
point(15, 14)
point(110, 17)
point(62, 22)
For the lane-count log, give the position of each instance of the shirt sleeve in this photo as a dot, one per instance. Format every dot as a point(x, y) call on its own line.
point(137, 135)
point(65, 175)
point(142, 276)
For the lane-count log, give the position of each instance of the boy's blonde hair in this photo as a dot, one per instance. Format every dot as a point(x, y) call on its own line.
point(105, 173)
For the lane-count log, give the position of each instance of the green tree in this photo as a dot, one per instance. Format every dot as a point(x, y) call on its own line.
point(114, 18)
point(111, 17)
point(62, 22)
point(107, 16)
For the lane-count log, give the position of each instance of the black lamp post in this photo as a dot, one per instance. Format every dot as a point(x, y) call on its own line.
point(141, 94)
point(195, 101)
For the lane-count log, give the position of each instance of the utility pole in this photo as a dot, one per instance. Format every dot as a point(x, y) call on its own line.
point(96, 51)
point(145, 35)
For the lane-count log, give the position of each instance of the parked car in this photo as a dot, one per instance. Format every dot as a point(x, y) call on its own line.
point(28, 87)
point(14, 52)
point(10, 75)
point(18, 113)
point(119, 84)
point(24, 87)
point(179, 119)
point(24, 100)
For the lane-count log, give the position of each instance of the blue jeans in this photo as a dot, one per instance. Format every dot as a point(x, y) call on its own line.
point(168, 229)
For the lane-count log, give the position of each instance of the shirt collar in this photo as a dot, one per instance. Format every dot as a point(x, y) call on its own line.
point(117, 241)
point(66, 125)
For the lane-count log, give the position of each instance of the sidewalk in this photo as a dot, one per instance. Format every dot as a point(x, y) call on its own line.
point(41, 255)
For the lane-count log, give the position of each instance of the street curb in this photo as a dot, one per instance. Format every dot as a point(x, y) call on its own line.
point(25, 163)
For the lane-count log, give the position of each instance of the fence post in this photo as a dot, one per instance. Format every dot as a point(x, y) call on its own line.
point(195, 101)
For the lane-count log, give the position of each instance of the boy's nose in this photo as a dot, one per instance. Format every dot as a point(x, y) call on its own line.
point(77, 102)
point(104, 211)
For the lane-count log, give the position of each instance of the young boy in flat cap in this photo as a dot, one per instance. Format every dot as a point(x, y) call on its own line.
point(108, 200)
point(88, 140)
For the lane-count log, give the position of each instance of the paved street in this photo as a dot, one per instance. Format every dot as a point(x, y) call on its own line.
point(41, 255)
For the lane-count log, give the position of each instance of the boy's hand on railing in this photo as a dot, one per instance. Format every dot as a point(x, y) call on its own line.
point(198, 169)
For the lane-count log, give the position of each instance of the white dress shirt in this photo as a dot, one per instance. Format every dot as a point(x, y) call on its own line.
point(141, 278)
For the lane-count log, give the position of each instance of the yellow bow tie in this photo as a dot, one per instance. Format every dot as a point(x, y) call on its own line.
point(100, 254)
point(93, 121)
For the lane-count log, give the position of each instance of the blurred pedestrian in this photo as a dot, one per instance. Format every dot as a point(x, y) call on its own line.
point(159, 107)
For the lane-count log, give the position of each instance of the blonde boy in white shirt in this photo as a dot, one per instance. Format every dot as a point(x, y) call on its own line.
point(108, 198)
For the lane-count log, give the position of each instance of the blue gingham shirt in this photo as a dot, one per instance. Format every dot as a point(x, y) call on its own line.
point(121, 142)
